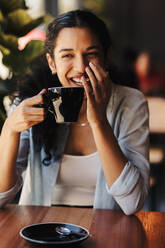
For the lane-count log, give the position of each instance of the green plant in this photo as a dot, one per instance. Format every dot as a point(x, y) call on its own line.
point(15, 22)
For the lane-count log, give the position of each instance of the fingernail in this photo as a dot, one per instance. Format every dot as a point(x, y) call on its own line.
point(91, 63)
point(87, 68)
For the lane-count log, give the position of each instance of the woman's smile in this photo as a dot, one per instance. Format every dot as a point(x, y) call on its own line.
point(79, 79)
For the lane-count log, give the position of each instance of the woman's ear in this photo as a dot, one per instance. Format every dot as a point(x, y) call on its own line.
point(51, 63)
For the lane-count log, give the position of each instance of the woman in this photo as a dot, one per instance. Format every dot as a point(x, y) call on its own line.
point(102, 161)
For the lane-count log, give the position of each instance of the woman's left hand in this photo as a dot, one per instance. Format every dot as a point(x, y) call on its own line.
point(98, 90)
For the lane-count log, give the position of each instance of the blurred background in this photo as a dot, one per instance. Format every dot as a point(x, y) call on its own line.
point(136, 28)
point(137, 58)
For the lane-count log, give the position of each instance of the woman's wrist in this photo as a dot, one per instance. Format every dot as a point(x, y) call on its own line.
point(100, 124)
point(8, 130)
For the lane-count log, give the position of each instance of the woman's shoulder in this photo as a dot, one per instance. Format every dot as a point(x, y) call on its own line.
point(127, 91)
point(124, 97)
point(127, 94)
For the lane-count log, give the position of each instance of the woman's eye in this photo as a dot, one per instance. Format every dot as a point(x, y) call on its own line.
point(67, 56)
point(92, 54)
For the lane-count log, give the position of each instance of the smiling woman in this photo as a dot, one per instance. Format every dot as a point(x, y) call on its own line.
point(104, 163)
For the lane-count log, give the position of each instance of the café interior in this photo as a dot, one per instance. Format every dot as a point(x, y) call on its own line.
point(138, 61)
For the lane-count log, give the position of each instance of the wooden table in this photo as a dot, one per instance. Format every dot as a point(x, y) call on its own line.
point(108, 228)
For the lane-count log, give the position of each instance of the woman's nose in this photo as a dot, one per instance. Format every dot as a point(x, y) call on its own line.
point(80, 64)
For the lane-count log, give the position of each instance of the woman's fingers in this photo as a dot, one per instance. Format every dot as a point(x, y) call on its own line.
point(28, 113)
point(38, 99)
point(42, 92)
point(88, 88)
point(98, 90)
point(29, 107)
point(102, 83)
point(95, 85)
point(98, 71)
point(33, 110)
point(33, 118)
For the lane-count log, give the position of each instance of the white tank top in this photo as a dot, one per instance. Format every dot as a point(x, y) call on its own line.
point(76, 181)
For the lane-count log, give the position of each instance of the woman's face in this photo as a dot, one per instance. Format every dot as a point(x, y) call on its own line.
point(75, 48)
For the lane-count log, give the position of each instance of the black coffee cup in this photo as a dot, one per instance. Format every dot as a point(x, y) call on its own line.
point(64, 103)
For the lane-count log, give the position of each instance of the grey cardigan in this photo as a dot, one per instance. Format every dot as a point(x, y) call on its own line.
point(127, 113)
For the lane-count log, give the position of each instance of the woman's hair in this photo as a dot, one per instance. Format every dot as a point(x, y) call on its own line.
point(81, 19)
point(41, 77)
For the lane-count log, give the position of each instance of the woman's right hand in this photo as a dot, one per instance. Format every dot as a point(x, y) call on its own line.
point(26, 114)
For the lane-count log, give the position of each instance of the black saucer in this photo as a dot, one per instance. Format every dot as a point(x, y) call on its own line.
point(44, 234)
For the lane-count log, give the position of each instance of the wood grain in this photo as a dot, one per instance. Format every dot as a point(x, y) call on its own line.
point(114, 229)
point(108, 228)
point(154, 225)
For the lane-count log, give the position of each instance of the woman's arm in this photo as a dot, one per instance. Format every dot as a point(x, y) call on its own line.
point(9, 143)
point(124, 156)
point(98, 91)
point(21, 164)
point(24, 116)
point(131, 187)
point(111, 156)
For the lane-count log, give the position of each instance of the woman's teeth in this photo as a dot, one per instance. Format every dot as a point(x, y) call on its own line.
point(76, 81)
point(79, 81)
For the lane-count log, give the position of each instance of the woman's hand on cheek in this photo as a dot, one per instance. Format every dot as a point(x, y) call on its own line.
point(98, 90)
point(26, 114)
